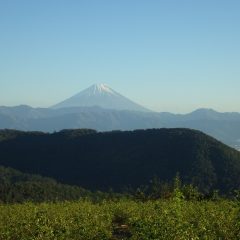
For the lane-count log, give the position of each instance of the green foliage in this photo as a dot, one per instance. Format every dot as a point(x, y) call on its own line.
point(16, 186)
point(191, 192)
point(237, 195)
point(125, 219)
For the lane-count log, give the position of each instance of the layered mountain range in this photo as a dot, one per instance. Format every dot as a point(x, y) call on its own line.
point(102, 108)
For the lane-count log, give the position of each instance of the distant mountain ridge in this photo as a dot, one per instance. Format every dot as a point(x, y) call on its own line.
point(223, 126)
point(102, 108)
point(103, 96)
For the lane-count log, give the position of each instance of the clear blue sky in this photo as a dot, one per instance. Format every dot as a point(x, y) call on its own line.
point(168, 55)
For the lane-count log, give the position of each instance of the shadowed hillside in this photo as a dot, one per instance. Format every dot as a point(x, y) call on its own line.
point(119, 159)
point(16, 186)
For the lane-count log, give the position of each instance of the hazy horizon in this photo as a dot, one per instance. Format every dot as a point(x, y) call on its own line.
point(168, 56)
point(181, 112)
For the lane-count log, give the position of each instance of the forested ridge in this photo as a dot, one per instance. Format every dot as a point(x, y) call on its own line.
point(16, 186)
point(123, 159)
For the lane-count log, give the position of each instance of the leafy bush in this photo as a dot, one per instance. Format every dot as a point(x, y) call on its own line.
point(124, 219)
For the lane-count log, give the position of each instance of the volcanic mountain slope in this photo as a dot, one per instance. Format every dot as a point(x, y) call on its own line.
point(119, 159)
point(102, 96)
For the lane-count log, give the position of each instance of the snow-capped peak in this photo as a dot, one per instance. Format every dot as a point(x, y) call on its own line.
point(100, 95)
point(101, 88)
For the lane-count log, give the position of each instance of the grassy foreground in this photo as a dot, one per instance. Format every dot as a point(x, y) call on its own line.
point(123, 219)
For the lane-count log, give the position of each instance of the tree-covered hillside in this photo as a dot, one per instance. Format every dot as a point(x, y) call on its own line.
point(119, 159)
point(16, 186)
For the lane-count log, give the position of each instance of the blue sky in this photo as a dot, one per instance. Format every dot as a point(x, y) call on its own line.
point(167, 55)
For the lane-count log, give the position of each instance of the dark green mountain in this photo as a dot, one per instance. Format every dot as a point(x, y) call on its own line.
point(16, 186)
point(119, 159)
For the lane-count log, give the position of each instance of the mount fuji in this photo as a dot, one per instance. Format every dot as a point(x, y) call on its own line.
point(102, 108)
point(102, 96)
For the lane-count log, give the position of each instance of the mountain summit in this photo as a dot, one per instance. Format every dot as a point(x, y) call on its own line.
point(103, 96)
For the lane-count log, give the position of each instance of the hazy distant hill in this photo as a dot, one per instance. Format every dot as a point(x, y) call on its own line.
point(223, 126)
point(118, 159)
